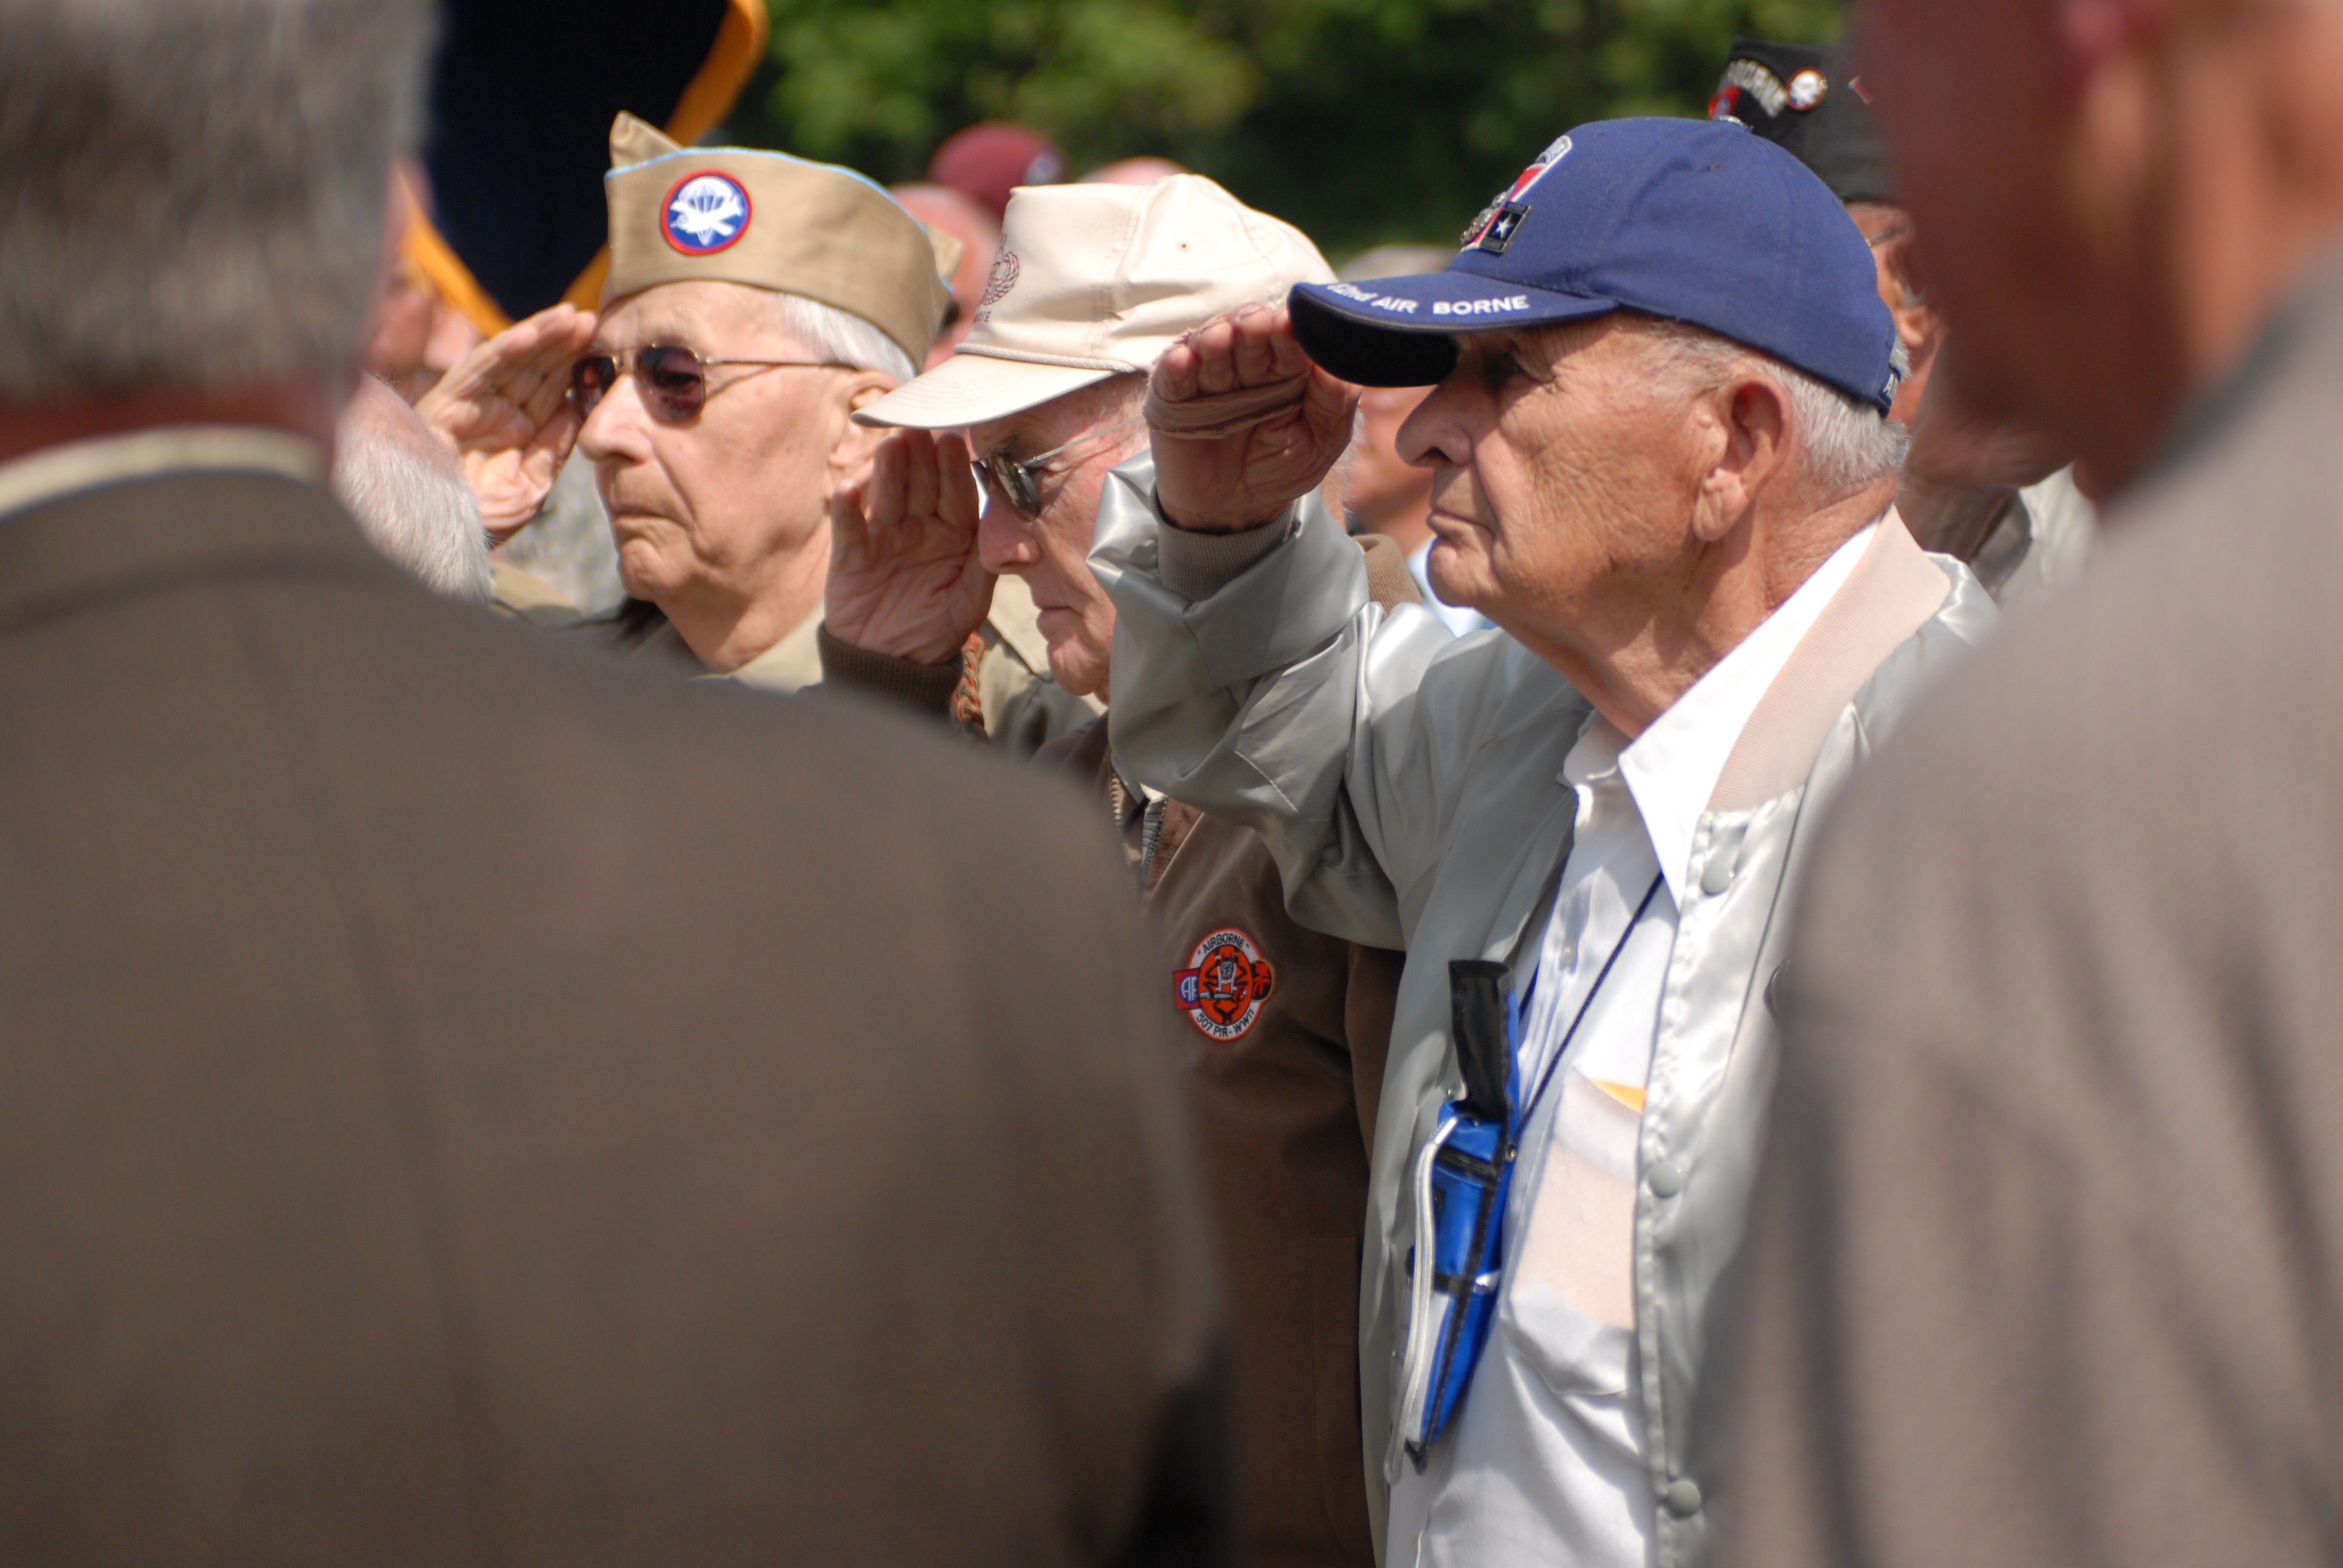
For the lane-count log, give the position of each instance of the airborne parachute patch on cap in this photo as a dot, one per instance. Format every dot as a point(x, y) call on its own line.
point(705, 213)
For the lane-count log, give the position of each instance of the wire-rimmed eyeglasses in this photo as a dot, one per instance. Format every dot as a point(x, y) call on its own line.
point(1014, 478)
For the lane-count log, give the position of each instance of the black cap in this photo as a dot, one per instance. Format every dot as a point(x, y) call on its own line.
point(1810, 99)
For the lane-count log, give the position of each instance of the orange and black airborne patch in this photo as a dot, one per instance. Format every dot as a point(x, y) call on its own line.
point(1224, 985)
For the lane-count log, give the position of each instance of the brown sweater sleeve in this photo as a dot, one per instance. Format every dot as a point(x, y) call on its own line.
point(928, 688)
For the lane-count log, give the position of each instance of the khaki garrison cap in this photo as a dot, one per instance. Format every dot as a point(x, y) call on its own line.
point(733, 214)
point(1098, 280)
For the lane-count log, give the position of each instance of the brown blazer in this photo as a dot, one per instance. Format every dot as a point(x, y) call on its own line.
point(675, 1171)
point(1282, 1060)
point(2046, 1265)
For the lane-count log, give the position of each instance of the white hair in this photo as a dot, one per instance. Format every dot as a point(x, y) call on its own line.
point(192, 192)
point(826, 332)
point(409, 497)
point(1844, 444)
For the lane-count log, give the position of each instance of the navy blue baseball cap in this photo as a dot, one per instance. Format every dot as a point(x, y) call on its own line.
point(1696, 221)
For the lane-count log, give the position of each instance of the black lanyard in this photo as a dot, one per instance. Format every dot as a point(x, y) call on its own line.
point(1561, 1047)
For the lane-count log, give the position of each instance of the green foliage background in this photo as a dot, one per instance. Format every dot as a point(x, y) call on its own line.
point(1363, 121)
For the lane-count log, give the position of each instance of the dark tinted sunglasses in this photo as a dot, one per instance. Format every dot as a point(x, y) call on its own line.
point(1014, 479)
point(673, 378)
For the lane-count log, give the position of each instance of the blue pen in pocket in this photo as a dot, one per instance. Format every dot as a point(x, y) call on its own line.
point(1461, 1177)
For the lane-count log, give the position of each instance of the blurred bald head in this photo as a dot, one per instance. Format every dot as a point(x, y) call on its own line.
point(2118, 193)
point(408, 495)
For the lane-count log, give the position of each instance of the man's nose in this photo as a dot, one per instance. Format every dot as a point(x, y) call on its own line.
point(1435, 433)
point(1004, 535)
point(616, 425)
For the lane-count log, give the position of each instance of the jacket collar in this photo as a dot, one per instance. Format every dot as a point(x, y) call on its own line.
point(1894, 591)
point(53, 473)
point(1671, 768)
point(125, 533)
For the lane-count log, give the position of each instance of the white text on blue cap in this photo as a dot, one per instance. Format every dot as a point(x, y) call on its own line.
point(1481, 306)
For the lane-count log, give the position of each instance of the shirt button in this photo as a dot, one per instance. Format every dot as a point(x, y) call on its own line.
point(1569, 954)
point(1716, 875)
point(1666, 1179)
point(1682, 1497)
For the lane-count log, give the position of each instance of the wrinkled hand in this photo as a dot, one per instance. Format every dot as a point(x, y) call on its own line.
point(905, 578)
point(1243, 473)
point(505, 411)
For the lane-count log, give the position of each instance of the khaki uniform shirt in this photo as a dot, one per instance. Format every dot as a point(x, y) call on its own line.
point(1023, 706)
point(641, 634)
point(791, 664)
point(524, 596)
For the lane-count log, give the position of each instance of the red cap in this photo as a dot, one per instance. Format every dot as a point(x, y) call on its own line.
point(986, 162)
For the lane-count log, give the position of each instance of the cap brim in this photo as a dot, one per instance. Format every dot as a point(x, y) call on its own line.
point(972, 389)
point(1402, 331)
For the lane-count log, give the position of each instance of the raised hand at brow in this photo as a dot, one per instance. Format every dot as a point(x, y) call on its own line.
point(1242, 422)
point(905, 577)
point(505, 411)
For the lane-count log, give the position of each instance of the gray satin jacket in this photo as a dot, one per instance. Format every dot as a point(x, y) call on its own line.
point(1410, 787)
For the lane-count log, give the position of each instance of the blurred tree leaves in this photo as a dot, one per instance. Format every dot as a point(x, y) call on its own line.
point(1361, 120)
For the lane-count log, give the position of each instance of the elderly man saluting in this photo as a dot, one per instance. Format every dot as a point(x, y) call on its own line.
point(1662, 468)
point(755, 303)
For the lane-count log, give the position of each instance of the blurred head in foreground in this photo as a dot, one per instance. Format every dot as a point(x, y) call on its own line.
point(2116, 193)
point(139, 261)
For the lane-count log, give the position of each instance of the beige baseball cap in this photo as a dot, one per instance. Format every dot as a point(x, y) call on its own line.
point(739, 216)
point(1098, 280)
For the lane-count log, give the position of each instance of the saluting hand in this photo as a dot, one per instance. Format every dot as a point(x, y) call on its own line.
point(1225, 461)
point(505, 410)
point(905, 578)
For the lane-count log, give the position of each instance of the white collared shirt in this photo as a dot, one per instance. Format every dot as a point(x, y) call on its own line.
point(1547, 1463)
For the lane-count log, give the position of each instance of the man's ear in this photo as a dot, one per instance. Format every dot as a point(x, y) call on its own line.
point(850, 454)
point(1752, 414)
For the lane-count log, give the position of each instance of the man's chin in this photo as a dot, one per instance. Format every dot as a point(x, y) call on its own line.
point(1076, 672)
point(1451, 580)
point(645, 573)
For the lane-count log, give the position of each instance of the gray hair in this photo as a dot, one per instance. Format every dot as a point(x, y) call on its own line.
point(192, 192)
point(826, 332)
point(1844, 445)
point(409, 497)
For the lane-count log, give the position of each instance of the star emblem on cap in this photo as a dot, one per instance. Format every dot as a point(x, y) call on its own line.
point(1503, 226)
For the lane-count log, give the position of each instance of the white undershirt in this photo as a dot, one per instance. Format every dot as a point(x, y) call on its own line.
point(1545, 1464)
